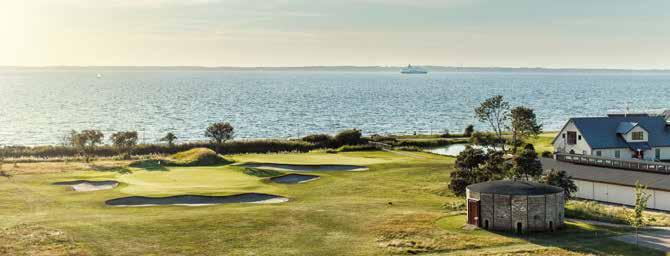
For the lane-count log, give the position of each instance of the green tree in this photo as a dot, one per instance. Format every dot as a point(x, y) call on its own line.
point(92, 137)
point(124, 141)
point(469, 130)
point(495, 167)
point(562, 180)
point(474, 166)
point(524, 125)
point(169, 138)
point(526, 166)
point(349, 137)
point(219, 133)
point(495, 112)
point(85, 140)
point(636, 218)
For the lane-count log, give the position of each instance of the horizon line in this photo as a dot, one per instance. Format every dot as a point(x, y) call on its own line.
point(329, 67)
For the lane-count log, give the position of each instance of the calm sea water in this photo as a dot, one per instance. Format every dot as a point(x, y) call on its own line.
point(38, 107)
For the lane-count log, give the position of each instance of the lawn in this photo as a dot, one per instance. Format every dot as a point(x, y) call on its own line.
point(394, 207)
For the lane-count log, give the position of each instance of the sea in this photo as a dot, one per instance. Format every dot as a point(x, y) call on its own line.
point(40, 106)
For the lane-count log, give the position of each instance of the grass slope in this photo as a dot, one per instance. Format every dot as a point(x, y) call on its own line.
point(394, 207)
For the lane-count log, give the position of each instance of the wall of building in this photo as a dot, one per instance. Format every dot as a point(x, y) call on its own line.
point(535, 213)
point(629, 136)
point(620, 194)
point(561, 144)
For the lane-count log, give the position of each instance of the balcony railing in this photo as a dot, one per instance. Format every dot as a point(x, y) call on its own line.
point(637, 165)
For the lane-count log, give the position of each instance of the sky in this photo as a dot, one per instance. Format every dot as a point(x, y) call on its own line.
point(471, 33)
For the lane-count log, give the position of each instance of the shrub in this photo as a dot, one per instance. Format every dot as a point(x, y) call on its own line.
point(230, 147)
point(349, 137)
point(262, 172)
point(320, 140)
point(547, 154)
point(529, 147)
point(383, 139)
point(445, 134)
point(349, 148)
point(424, 143)
point(468, 131)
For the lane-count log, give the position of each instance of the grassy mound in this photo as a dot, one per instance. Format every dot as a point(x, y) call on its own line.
point(197, 157)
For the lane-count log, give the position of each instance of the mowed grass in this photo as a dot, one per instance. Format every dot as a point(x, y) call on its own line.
point(394, 207)
point(543, 142)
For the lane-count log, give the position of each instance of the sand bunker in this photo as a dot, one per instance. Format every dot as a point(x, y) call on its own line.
point(196, 200)
point(306, 168)
point(294, 178)
point(89, 185)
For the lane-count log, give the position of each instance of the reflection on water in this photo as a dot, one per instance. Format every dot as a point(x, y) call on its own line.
point(455, 149)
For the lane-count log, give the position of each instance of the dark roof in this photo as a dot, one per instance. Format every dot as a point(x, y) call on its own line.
point(508, 187)
point(609, 175)
point(601, 132)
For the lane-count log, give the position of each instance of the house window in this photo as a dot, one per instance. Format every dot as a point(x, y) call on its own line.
point(617, 154)
point(599, 153)
point(658, 153)
point(579, 137)
point(563, 135)
point(638, 135)
point(572, 138)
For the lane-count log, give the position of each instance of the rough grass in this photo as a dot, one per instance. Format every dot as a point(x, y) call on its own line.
point(31, 240)
point(197, 157)
point(396, 207)
point(591, 210)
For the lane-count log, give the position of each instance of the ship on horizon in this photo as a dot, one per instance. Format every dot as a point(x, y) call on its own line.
point(413, 70)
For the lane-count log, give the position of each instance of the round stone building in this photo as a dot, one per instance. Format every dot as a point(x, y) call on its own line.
point(517, 206)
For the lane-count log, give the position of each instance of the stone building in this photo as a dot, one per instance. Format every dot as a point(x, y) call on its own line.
point(515, 206)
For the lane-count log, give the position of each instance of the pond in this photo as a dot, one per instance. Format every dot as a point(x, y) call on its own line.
point(455, 149)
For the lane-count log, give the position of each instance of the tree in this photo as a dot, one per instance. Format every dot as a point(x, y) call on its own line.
point(526, 166)
point(124, 140)
point(220, 133)
point(524, 124)
point(495, 167)
point(93, 137)
point(495, 112)
point(562, 180)
point(636, 219)
point(85, 140)
point(169, 138)
point(349, 137)
point(474, 166)
point(468, 131)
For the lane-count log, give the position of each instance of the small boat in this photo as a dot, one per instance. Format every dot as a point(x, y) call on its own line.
point(413, 70)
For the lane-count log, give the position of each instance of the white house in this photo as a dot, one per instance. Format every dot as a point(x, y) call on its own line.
point(621, 136)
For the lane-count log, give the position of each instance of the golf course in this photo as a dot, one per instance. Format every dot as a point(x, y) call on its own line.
point(361, 203)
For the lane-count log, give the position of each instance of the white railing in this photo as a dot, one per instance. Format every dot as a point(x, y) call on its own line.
point(633, 164)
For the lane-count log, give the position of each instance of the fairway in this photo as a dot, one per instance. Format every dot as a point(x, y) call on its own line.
point(399, 205)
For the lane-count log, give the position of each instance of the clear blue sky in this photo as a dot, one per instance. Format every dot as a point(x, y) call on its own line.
point(512, 33)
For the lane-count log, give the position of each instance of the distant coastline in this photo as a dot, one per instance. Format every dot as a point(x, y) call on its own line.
point(334, 68)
